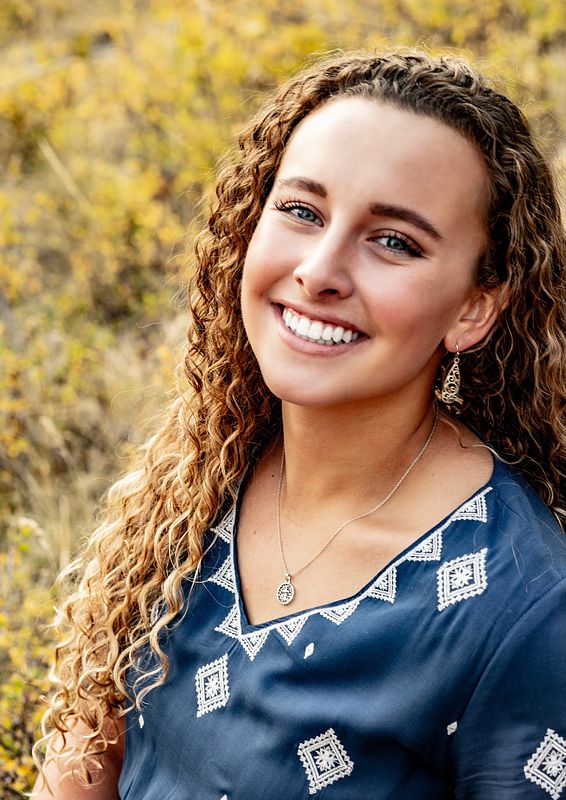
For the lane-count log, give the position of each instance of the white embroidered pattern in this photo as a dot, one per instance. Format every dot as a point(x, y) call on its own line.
point(253, 642)
point(461, 578)
point(457, 580)
point(385, 587)
point(452, 728)
point(211, 681)
point(309, 650)
point(225, 576)
point(290, 630)
point(474, 509)
point(430, 549)
point(225, 529)
point(325, 760)
point(230, 626)
point(337, 614)
point(547, 765)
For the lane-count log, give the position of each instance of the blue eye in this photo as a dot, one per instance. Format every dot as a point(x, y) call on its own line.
point(394, 243)
point(303, 213)
point(299, 210)
point(398, 243)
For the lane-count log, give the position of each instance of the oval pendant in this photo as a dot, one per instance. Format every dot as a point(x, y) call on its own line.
point(285, 592)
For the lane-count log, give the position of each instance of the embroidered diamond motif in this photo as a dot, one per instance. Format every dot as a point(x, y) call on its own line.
point(290, 630)
point(226, 527)
point(547, 765)
point(474, 509)
point(461, 578)
point(211, 681)
point(325, 760)
point(253, 642)
point(429, 549)
point(225, 576)
point(338, 614)
point(309, 650)
point(385, 587)
point(231, 625)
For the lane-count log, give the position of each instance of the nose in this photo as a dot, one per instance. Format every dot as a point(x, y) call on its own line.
point(325, 268)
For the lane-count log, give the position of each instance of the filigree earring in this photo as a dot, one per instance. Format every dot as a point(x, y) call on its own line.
point(449, 393)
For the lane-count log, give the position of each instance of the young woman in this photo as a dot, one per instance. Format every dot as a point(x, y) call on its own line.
point(325, 578)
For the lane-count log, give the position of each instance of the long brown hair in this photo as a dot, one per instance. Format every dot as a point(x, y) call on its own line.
point(129, 579)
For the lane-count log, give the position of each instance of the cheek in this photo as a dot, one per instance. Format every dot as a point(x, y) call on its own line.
point(250, 273)
point(416, 311)
point(262, 266)
point(257, 278)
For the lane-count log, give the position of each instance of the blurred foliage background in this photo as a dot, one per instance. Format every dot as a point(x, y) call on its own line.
point(112, 116)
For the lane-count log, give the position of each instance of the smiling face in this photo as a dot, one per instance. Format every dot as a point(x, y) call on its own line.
point(361, 270)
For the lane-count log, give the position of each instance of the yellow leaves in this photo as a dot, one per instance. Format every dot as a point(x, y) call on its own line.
point(112, 116)
point(11, 282)
point(25, 651)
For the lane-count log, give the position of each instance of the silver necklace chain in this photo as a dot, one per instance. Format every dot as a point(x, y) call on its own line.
point(286, 590)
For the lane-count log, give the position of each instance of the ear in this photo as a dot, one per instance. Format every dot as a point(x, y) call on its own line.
point(477, 317)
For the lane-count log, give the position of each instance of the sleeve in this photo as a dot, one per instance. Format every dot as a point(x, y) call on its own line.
point(510, 742)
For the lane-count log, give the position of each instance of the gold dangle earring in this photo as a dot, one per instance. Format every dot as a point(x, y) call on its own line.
point(449, 393)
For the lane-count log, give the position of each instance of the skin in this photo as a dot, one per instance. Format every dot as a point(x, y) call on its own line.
point(332, 243)
point(385, 242)
point(332, 258)
point(105, 786)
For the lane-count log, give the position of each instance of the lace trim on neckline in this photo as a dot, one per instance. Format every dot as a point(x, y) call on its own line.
point(383, 587)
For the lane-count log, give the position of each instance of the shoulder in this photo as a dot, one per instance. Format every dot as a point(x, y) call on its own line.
point(520, 497)
point(522, 517)
point(526, 546)
point(504, 545)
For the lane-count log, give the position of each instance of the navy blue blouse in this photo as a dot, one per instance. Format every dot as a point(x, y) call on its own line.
point(444, 677)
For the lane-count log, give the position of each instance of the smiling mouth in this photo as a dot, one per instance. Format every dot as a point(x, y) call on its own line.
point(317, 331)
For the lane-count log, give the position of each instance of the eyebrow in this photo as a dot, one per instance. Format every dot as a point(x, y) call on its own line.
point(377, 209)
point(407, 215)
point(306, 184)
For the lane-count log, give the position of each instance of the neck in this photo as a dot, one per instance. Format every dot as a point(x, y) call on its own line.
point(337, 457)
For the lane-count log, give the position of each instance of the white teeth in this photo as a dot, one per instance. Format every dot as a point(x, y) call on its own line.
point(317, 331)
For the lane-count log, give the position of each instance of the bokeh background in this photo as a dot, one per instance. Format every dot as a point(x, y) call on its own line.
point(112, 117)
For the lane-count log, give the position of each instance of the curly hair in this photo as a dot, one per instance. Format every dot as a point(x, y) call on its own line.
point(129, 583)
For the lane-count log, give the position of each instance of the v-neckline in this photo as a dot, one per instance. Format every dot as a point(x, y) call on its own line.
point(247, 627)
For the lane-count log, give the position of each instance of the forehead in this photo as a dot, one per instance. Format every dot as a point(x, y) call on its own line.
point(364, 146)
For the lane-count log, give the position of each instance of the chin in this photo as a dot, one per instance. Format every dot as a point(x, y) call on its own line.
point(292, 392)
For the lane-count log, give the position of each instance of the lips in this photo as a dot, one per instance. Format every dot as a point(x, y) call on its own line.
point(317, 330)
